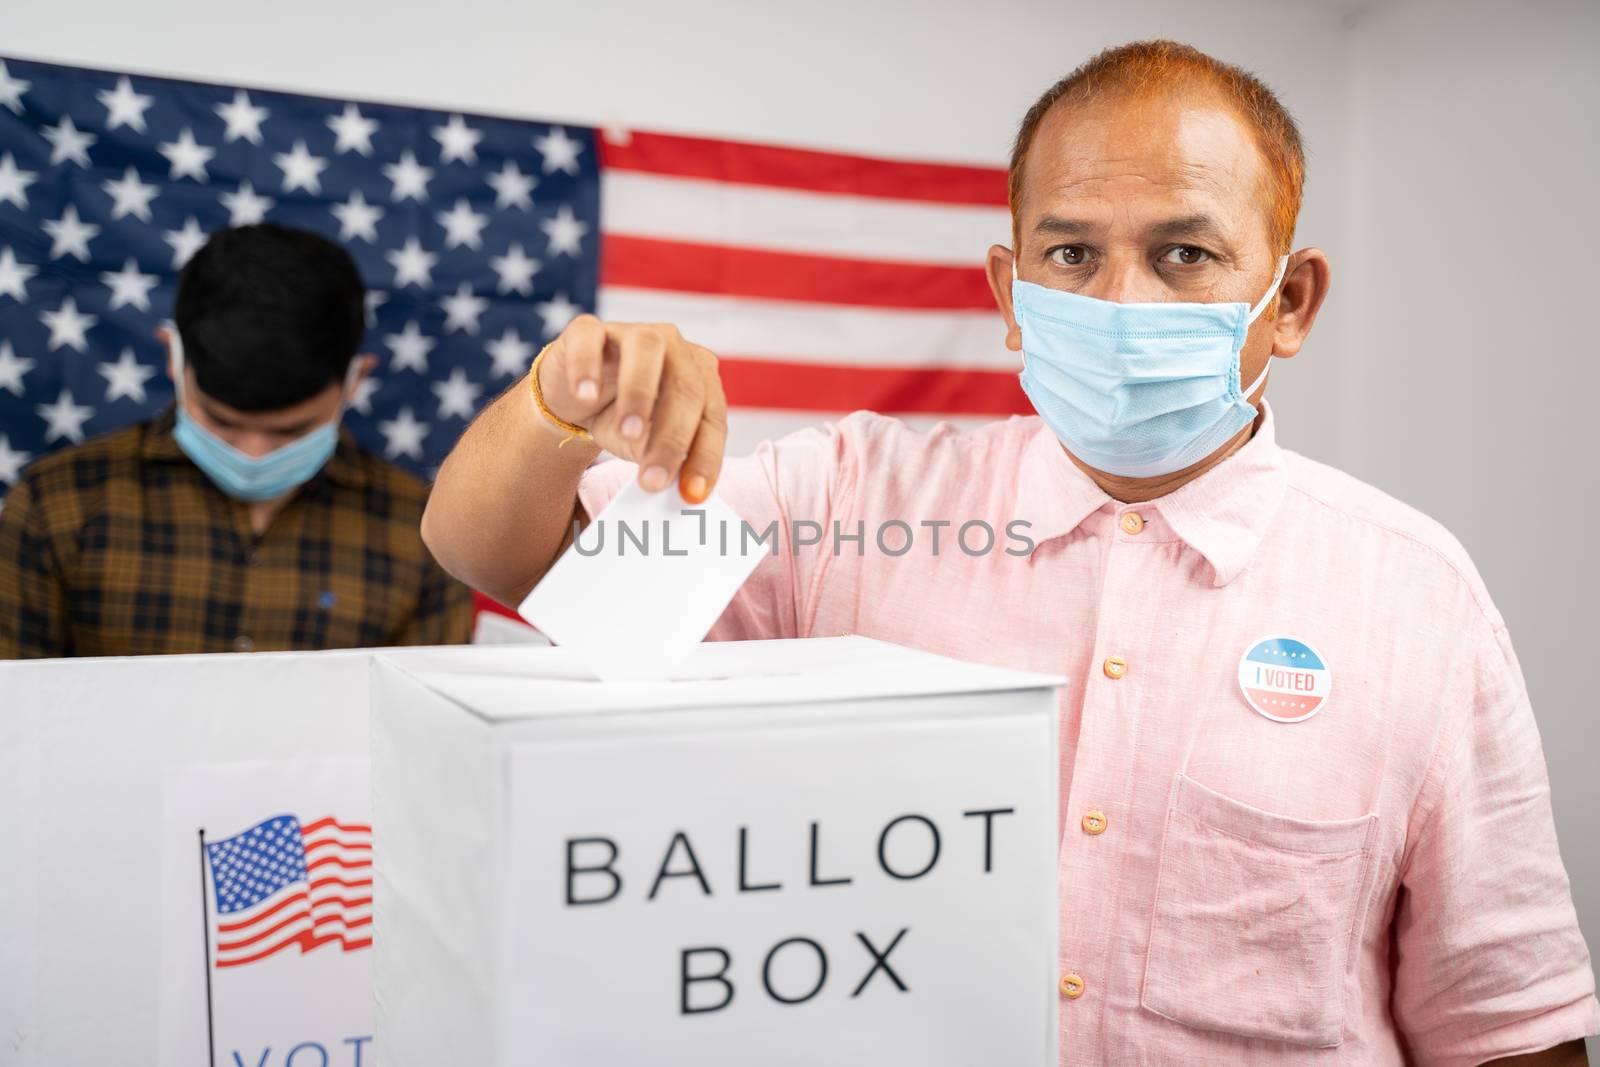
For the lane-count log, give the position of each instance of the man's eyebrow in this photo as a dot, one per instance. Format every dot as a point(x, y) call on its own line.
point(1061, 227)
point(1200, 226)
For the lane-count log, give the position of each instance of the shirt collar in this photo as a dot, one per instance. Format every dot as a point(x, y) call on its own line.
point(344, 468)
point(1055, 493)
point(1223, 514)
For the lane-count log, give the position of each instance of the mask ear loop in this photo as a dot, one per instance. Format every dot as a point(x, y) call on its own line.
point(352, 374)
point(1260, 378)
point(1014, 315)
point(175, 340)
point(1272, 291)
point(1255, 313)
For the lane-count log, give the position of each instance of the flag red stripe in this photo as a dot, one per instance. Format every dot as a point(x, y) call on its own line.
point(278, 946)
point(305, 940)
point(354, 827)
point(357, 865)
point(789, 386)
point(224, 928)
point(801, 168)
point(334, 842)
point(288, 920)
point(683, 266)
point(348, 945)
point(294, 917)
point(320, 902)
point(331, 880)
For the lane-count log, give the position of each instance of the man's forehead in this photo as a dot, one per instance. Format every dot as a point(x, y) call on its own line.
point(1167, 154)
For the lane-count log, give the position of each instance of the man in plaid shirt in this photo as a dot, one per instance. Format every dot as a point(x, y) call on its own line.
point(243, 518)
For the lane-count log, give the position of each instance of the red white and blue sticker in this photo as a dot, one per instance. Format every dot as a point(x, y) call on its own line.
point(1284, 679)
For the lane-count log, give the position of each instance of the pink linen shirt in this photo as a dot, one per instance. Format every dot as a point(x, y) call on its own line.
point(1378, 883)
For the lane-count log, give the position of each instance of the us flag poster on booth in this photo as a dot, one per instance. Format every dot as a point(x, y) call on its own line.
point(285, 885)
point(267, 915)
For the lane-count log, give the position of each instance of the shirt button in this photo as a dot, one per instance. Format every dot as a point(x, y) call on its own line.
point(1094, 822)
point(1071, 986)
point(243, 643)
point(1132, 522)
point(1115, 667)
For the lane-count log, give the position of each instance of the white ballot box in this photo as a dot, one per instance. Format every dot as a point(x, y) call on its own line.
point(832, 851)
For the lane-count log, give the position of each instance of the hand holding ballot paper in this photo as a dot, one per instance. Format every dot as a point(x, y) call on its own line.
point(642, 393)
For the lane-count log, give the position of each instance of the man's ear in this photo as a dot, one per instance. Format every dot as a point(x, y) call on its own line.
point(998, 270)
point(1300, 297)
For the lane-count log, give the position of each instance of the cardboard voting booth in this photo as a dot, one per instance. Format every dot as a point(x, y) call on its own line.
point(110, 770)
point(795, 852)
point(123, 784)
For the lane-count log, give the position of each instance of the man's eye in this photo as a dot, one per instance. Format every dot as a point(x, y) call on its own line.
point(1069, 255)
point(1186, 255)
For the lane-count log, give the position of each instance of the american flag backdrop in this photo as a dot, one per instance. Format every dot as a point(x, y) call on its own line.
point(825, 282)
point(283, 885)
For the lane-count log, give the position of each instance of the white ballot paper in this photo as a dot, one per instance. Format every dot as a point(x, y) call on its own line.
point(643, 583)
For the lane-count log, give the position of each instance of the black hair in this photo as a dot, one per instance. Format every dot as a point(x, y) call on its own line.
point(269, 316)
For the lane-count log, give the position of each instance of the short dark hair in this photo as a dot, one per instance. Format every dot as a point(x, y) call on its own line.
point(269, 316)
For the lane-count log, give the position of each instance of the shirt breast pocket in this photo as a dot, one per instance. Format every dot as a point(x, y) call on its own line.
point(1255, 918)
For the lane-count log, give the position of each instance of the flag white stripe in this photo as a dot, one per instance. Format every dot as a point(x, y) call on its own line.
point(857, 227)
point(772, 329)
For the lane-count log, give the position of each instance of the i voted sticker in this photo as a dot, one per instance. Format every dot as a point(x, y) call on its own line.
point(1284, 679)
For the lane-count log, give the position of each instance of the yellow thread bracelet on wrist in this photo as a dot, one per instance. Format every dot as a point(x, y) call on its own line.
point(572, 428)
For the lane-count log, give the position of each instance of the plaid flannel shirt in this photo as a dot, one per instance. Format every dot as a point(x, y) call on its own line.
point(122, 546)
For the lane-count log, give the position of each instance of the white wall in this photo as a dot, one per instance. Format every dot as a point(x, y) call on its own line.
point(1450, 145)
point(1475, 159)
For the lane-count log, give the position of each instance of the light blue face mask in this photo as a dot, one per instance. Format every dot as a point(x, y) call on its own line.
point(256, 478)
point(1136, 390)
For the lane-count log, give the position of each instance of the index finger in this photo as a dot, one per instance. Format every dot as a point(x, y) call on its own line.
point(581, 348)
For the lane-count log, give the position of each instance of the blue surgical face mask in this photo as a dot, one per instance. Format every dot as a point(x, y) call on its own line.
point(1136, 390)
point(255, 478)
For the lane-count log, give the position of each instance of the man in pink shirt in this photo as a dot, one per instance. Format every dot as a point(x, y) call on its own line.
point(1305, 814)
